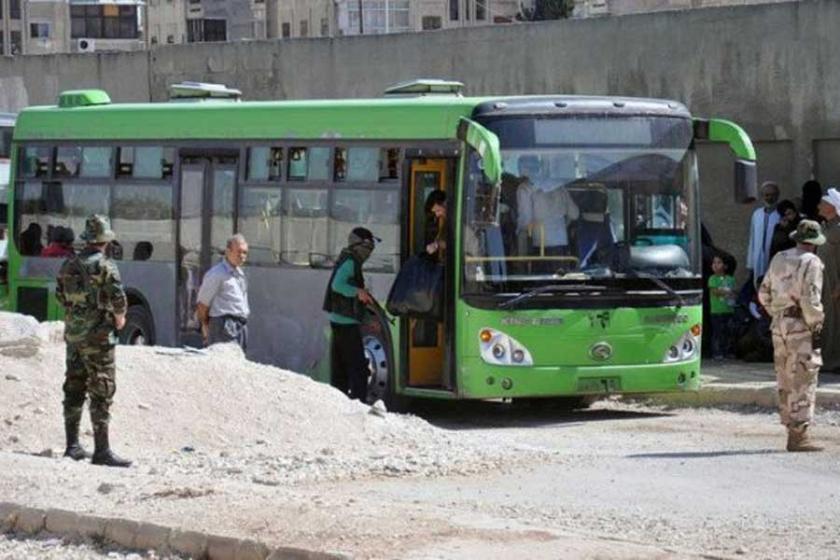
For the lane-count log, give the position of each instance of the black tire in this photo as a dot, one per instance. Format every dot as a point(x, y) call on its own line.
point(138, 330)
point(376, 338)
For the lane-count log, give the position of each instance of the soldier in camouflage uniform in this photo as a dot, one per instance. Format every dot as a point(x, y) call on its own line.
point(89, 288)
point(791, 292)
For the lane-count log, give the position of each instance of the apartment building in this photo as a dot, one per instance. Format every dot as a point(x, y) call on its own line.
point(594, 8)
point(51, 26)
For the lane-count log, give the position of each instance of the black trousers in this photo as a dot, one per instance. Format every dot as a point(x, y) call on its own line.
point(349, 364)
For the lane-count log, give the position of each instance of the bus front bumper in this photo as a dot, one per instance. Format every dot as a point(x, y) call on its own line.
point(479, 380)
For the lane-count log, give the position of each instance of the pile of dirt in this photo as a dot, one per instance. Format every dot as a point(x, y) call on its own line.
point(213, 411)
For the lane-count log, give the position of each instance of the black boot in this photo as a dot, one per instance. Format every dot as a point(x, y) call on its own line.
point(74, 450)
point(102, 454)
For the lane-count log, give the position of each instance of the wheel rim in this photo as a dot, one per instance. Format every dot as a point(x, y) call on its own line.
point(136, 337)
point(377, 359)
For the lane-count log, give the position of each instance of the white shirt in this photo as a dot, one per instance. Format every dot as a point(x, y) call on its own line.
point(762, 225)
point(548, 211)
point(225, 291)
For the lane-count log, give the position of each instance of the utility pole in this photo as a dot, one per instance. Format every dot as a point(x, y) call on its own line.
point(361, 17)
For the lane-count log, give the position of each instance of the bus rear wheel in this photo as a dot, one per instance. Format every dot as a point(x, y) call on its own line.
point(138, 327)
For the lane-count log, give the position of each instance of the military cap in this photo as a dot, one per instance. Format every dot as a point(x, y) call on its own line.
point(98, 230)
point(808, 231)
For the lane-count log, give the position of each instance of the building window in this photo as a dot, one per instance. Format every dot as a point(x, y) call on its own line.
point(15, 42)
point(103, 21)
point(206, 30)
point(287, 29)
point(380, 16)
point(431, 22)
point(325, 27)
point(14, 9)
point(481, 9)
point(454, 12)
point(304, 28)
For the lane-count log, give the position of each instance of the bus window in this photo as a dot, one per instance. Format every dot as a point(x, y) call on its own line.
point(144, 162)
point(375, 209)
point(357, 164)
point(68, 160)
point(143, 216)
point(42, 206)
point(265, 163)
point(309, 164)
point(35, 161)
point(305, 227)
point(96, 161)
point(260, 221)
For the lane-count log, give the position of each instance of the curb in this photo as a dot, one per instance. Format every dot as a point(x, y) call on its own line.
point(138, 535)
point(755, 394)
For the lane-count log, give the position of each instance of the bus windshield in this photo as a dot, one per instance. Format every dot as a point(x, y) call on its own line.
point(586, 198)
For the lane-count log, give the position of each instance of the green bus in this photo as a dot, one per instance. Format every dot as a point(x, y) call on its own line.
point(573, 264)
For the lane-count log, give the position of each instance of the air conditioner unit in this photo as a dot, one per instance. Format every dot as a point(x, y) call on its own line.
point(85, 45)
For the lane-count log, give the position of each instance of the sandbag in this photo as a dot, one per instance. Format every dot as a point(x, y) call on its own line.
point(417, 290)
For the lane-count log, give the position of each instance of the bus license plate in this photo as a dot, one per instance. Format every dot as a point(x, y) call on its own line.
point(599, 385)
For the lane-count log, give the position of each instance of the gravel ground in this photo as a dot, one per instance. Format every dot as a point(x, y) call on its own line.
point(52, 548)
point(235, 448)
point(218, 415)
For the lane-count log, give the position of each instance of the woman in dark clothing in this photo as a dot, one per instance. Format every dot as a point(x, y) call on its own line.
point(789, 218)
point(812, 193)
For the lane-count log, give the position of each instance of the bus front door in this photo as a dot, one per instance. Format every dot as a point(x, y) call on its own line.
point(426, 337)
point(207, 197)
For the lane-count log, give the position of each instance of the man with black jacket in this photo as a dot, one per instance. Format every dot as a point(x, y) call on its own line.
point(345, 301)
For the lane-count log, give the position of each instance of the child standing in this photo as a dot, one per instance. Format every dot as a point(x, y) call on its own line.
point(721, 307)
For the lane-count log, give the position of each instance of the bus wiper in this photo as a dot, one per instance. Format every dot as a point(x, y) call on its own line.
point(552, 288)
point(671, 291)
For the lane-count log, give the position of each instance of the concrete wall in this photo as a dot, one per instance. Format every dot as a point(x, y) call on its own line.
point(773, 68)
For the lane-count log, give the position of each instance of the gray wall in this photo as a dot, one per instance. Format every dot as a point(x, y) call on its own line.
point(773, 68)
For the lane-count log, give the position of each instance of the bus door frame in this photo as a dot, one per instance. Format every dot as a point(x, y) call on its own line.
point(446, 162)
point(209, 161)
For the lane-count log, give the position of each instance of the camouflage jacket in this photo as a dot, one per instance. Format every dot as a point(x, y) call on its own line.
point(793, 285)
point(90, 289)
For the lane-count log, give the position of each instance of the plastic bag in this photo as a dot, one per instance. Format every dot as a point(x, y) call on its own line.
point(417, 290)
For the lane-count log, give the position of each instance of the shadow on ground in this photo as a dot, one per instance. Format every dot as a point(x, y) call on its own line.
point(705, 454)
point(476, 415)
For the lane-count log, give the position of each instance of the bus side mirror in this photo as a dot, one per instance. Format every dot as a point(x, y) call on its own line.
point(746, 190)
point(720, 130)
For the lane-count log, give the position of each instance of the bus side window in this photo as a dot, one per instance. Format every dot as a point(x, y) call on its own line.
point(35, 161)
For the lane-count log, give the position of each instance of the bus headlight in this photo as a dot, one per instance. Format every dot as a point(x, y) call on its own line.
point(499, 349)
point(684, 349)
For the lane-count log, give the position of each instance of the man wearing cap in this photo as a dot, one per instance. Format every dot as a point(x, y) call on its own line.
point(345, 301)
point(222, 307)
point(762, 224)
point(829, 253)
point(791, 292)
point(89, 287)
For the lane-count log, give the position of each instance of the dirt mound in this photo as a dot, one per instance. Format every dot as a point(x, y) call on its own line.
point(214, 411)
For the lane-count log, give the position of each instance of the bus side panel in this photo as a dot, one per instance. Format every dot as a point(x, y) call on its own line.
point(288, 327)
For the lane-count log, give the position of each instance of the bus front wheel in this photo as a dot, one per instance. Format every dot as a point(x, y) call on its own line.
point(138, 327)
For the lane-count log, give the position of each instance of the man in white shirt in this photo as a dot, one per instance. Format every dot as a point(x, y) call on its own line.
point(222, 306)
point(763, 223)
point(544, 213)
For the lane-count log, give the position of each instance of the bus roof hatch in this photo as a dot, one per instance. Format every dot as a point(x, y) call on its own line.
point(199, 91)
point(426, 86)
point(82, 98)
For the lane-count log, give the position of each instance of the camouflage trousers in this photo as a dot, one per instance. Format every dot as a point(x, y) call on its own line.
point(797, 366)
point(90, 372)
